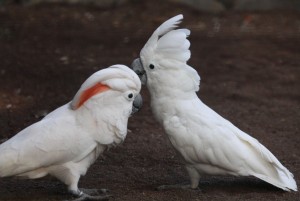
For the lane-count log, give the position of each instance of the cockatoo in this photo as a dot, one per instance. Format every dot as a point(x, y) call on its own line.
point(208, 143)
point(68, 140)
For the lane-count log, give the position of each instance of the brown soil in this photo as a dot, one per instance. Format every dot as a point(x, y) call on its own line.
point(250, 69)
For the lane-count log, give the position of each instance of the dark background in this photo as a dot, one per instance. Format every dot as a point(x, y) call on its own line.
point(248, 60)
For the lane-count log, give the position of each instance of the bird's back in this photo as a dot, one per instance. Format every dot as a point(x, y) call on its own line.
point(51, 141)
point(216, 147)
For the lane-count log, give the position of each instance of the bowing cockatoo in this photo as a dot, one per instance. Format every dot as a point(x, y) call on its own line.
point(208, 143)
point(68, 140)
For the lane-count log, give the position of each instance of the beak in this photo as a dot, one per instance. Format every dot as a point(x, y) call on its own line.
point(138, 68)
point(137, 104)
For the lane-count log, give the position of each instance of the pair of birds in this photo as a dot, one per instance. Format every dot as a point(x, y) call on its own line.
point(68, 140)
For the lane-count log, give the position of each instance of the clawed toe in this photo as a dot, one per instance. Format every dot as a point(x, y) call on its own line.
point(103, 190)
point(94, 191)
point(90, 194)
point(85, 197)
point(175, 186)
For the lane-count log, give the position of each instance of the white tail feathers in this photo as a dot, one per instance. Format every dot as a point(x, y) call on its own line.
point(285, 182)
point(271, 170)
point(287, 179)
point(278, 175)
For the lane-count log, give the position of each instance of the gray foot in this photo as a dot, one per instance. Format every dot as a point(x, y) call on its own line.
point(94, 191)
point(174, 186)
point(90, 194)
point(85, 197)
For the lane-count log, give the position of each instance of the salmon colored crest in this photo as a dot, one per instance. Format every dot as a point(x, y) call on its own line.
point(87, 94)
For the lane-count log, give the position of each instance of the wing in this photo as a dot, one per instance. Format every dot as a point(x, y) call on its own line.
point(51, 141)
point(216, 146)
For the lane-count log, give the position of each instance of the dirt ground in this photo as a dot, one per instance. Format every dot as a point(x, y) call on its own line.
point(249, 65)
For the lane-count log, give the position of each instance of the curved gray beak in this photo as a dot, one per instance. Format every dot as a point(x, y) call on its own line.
point(137, 104)
point(138, 68)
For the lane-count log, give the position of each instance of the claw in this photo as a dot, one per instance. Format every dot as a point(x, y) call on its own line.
point(90, 194)
point(90, 197)
point(175, 186)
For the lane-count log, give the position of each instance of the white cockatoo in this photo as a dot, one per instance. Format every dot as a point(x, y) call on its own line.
point(68, 140)
point(208, 143)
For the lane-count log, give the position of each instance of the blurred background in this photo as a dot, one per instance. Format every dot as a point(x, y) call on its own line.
point(202, 5)
point(247, 53)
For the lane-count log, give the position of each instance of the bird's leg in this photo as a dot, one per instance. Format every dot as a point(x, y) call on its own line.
point(71, 178)
point(194, 178)
point(82, 194)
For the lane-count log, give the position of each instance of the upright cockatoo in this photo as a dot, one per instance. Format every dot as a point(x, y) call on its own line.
point(208, 143)
point(68, 140)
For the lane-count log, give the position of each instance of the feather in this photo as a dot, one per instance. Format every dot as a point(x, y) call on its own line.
point(209, 144)
point(169, 49)
point(88, 93)
point(67, 141)
point(163, 29)
point(168, 25)
point(117, 77)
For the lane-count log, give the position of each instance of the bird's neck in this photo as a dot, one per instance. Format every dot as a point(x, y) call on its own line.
point(98, 120)
point(170, 93)
point(165, 103)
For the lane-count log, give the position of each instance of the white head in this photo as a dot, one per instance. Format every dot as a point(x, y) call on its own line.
point(112, 87)
point(163, 59)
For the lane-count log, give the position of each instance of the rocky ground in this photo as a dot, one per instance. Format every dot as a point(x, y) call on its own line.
point(248, 61)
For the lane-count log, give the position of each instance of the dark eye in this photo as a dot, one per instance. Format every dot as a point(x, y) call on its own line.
point(130, 95)
point(151, 66)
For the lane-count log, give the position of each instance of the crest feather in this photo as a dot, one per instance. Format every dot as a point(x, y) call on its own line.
point(169, 48)
point(88, 93)
point(117, 77)
point(168, 25)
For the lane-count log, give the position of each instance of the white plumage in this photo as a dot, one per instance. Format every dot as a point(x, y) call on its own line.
point(68, 140)
point(209, 144)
